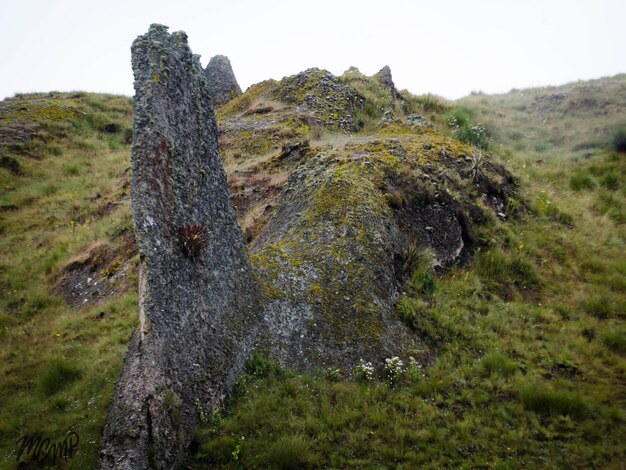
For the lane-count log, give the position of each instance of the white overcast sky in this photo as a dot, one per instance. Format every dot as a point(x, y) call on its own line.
point(447, 47)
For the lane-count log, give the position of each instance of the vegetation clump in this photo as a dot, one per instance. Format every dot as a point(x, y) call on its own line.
point(619, 140)
point(554, 402)
point(56, 375)
point(193, 239)
point(461, 121)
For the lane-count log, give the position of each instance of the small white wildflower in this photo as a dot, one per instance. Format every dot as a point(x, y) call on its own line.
point(394, 368)
point(364, 371)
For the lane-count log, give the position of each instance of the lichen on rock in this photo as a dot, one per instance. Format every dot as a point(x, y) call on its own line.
point(329, 255)
point(183, 352)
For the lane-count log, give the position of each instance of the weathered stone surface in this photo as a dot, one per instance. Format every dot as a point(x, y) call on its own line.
point(418, 120)
point(327, 254)
point(329, 261)
point(198, 299)
point(334, 254)
point(332, 103)
point(384, 77)
point(223, 85)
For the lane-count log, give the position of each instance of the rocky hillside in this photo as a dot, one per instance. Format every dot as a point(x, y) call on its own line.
point(340, 188)
point(347, 231)
point(378, 227)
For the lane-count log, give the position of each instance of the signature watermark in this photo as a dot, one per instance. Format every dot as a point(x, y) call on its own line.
point(36, 448)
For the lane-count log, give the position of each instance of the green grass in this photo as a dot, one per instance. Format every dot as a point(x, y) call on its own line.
point(55, 375)
point(619, 139)
point(582, 181)
point(526, 346)
point(291, 453)
point(59, 364)
point(498, 363)
point(615, 340)
point(550, 402)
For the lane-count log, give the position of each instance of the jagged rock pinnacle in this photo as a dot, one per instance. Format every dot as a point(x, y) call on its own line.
point(223, 85)
point(384, 77)
point(197, 294)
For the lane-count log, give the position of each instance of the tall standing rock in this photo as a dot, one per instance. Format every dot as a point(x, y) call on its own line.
point(198, 300)
point(223, 85)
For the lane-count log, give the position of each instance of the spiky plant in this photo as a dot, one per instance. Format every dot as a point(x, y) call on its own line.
point(193, 239)
point(475, 168)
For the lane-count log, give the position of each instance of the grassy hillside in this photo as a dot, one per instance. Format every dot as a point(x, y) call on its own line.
point(529, 336)
point(67, 272)
point(527, 340)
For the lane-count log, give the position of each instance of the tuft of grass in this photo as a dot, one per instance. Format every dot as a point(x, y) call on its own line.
point(463, 125)
point(290, 453)
point(56, 375)
point(462, 116)
point(581, 181)
point(611, 181)
point(501, 269)
point(217, 451)
point(599, 306)
point(497, 363)
point(11, 164)
point(259, 366)
point(541, 399)
point(71, 169)
point(615, 340)
point(55, 149)
point(619, 139)
point(432, 103)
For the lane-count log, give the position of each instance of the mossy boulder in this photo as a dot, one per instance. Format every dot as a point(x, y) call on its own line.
point(334, 254)
point(333, 246)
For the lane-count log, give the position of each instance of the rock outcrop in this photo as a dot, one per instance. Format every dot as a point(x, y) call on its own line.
point(198, 299)
point(328, 263)
point(327, 257)
point(332, 103)
point(344, 235)
point(384, 77)
point(223, 85)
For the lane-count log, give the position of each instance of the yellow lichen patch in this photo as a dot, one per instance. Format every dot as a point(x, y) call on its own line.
point(42, 111)
point(397, 130)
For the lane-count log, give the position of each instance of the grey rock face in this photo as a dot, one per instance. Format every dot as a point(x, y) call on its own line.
point(418, 120)
point(331, 102)
point(198, 298)
point(223, 85)
point(328, 253)
point(384, 77)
